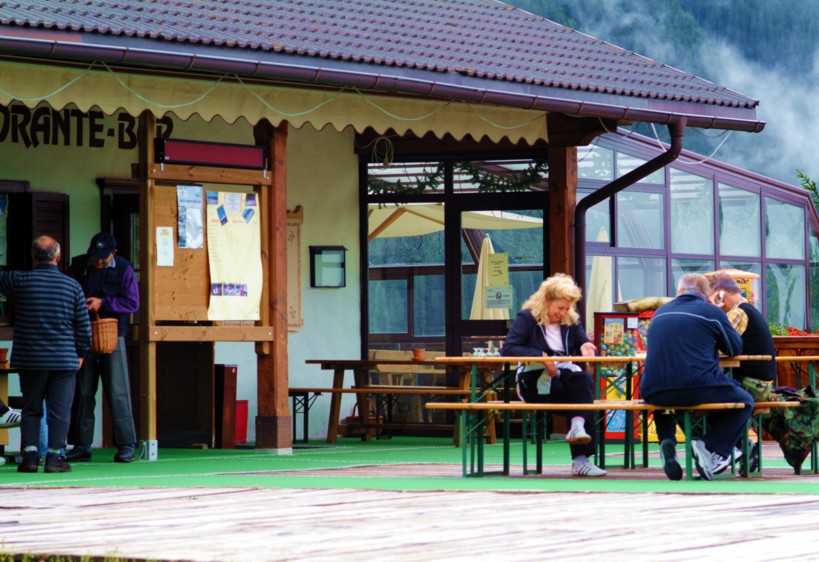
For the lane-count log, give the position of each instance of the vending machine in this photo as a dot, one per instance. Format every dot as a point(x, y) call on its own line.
point(620, 334)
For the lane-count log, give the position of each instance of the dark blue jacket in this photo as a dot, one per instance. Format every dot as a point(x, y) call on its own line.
point(685, 338)
point(525, 338)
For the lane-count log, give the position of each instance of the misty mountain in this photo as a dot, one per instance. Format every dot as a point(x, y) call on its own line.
point(765, 50)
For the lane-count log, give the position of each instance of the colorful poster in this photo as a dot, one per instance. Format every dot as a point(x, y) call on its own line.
point(234, 256)
point(189, 203)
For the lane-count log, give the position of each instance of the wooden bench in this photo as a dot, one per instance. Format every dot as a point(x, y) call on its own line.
point(473, 457)
point(302, 398)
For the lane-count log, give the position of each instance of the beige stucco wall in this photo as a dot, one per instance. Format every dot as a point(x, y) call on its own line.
point(322, 178)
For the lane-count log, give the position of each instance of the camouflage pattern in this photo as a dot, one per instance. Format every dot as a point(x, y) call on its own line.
point(795, 429)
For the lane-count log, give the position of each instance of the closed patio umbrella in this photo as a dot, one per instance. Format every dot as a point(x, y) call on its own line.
point(479, 310)
point(599, 292)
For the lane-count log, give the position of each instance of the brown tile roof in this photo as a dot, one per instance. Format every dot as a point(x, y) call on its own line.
point(468, 44)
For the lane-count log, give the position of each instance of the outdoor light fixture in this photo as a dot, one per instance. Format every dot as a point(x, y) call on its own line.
point(197, 153)
point(327, 266)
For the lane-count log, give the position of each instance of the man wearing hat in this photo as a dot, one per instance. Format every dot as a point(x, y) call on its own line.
point(111, 290)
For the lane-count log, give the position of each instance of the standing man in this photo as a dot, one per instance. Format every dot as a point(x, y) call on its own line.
point(51, 336)
point(682, 368)
point(111, 290)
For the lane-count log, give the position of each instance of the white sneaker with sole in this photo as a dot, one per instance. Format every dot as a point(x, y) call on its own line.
point(588, 470)
point(703, 458)
point(577, 435)
point(10, 419)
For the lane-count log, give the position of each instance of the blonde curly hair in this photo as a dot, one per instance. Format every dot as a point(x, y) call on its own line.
point(556, 287)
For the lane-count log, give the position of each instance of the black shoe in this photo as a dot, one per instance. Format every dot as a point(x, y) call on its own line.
point(78, 454)
point(30, 462)
point(753, 458)
point(668, 454)
point(125, 454)
point(54, 462)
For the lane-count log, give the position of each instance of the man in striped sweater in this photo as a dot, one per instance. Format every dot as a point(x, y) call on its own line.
point(52, 334)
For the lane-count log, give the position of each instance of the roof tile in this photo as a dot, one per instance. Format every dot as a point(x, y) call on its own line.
point(475, 37)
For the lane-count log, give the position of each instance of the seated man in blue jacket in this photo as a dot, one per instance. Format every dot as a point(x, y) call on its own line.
point(682, 368)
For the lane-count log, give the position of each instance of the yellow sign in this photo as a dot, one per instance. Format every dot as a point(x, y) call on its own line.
point(498, 269)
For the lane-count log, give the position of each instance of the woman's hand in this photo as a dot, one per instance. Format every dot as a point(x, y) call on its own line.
point(588, 349)
point(551, 367)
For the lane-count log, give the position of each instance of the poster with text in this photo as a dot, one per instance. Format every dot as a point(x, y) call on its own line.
point(234, 256)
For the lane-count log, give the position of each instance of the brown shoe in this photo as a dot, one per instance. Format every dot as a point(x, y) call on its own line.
point(30, 462)
point(56, 463)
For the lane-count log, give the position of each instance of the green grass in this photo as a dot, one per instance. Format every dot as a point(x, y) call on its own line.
point(249, 468)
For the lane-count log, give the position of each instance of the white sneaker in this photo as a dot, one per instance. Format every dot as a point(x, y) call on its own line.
point(577, 435)
point(587, 469)
point(10, 419)
point(703, 458)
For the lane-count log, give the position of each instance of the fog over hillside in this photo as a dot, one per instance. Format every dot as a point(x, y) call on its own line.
point(745, 45)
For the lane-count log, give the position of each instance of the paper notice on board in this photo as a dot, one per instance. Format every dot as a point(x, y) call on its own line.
point(164, 246)
point(189, 202)
point(234, 256)
point(498, 269)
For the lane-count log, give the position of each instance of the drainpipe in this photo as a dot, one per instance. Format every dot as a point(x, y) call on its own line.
point(677, 131)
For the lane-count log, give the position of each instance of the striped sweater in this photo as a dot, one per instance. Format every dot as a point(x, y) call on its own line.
point(51, 326)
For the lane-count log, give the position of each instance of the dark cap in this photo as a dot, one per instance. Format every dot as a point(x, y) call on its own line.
point(102, 245)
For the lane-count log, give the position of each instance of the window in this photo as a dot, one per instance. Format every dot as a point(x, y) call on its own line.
point(641, 277)
point(640, 219)
point(784, 230)
point(595, 163)
point(738, 222)
point(785, 294)
point(692, 214)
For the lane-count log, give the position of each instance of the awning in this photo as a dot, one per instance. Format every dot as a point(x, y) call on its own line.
point(391, 221)
point(227, 97)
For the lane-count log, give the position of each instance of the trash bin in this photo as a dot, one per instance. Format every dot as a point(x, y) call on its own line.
point(240, 434)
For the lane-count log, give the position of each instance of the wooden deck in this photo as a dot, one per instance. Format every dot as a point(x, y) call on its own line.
point(248, 524)
point(272, 524)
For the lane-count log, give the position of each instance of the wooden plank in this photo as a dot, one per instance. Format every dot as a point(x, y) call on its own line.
point(207, 174)
point(209, 333)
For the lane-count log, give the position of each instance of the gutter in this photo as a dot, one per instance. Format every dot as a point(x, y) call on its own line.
point(677, 132)
point(72, 52)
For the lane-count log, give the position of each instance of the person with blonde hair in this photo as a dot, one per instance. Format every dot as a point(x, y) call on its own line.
point(548, 325)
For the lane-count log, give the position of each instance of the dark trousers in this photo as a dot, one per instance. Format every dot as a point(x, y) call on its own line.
point(57, 389)
point(723, 428)
point(567, 388)
point(112, 369)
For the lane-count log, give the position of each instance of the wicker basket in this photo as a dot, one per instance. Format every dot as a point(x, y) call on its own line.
point(104, 334)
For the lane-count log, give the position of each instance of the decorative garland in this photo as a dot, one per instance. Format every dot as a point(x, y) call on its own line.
point(486, 181)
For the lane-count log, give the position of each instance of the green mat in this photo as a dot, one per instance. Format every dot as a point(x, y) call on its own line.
point(249, 468)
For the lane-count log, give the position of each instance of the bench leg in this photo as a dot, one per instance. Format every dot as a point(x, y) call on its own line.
point(689, 455)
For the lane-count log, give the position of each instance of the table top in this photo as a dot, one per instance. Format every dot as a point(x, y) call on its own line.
point(580, 359)
point(364, 362)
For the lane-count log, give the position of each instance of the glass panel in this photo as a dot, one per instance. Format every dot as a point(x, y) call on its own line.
point(492, 176)
point(681, 267)
point(738, 222)
point(597, 217)
point(784, 230)
point(595, 163)
point(641, 277)
point(428, 316)
point(505, 239)
point(692, 213)
point(405, 178)
point(814, 282)
point(639, 219)
point(627, 163)
point(785, 294)
point(388, 306)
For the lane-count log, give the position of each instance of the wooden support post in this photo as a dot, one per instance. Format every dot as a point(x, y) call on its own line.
point(147, 257)
point(563, 199)
point(273, 423)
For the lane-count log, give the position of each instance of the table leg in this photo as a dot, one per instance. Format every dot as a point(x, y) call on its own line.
point(335, 406)
point(360, 380)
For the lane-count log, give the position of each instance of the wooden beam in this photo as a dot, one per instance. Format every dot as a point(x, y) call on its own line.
point(207, 174)
point(209, 333)
point(147, 257)
point(563, 199)
point(576, 131)
point(273, 422)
